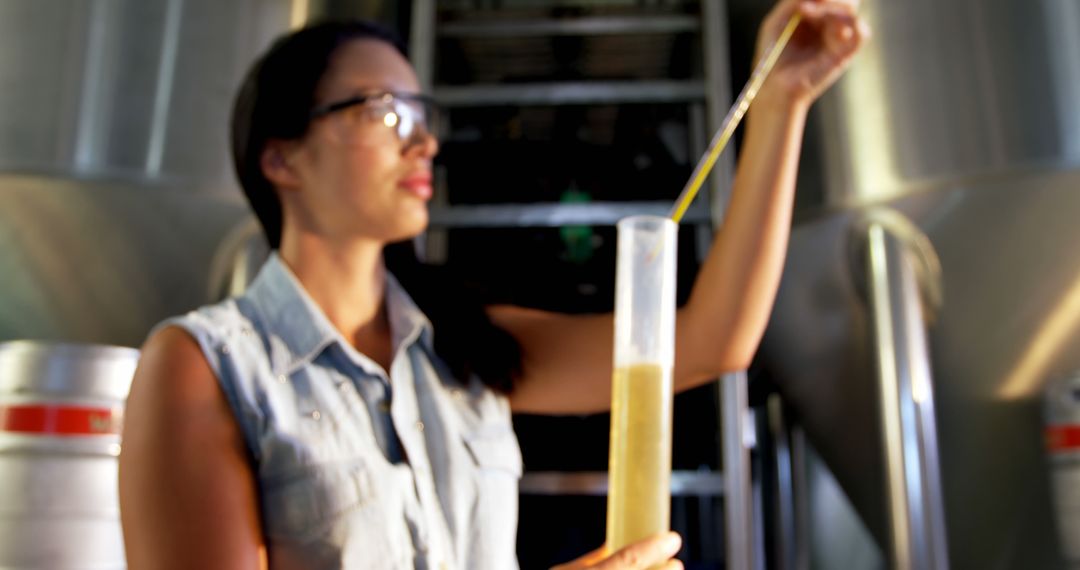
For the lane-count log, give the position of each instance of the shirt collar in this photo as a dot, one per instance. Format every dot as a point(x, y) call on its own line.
point(297, 323)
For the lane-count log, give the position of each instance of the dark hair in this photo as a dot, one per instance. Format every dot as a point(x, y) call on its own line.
point(275, 102)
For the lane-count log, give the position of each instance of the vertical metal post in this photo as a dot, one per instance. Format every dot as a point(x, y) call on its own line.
point(718, 98)
point(888, 403)
point(738, 492)
point(738, 496)
point(91, 140)
point(431, 245)
point(422, 42)
point(800, 491)
point(914, 501)
point(785, 486)
point(159, 124)
point(920, 430)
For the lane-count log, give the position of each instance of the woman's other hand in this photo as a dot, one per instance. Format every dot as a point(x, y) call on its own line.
point(828, 36)
point(653, 552)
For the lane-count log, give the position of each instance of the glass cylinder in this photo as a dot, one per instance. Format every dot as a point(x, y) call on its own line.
point(639, 495)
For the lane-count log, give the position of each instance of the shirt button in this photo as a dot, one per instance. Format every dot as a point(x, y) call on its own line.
point(420, 426)
point(283, 379)
point(316, 415)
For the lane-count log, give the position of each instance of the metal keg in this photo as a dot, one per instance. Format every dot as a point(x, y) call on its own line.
point(1063, 445)
point(61, 407)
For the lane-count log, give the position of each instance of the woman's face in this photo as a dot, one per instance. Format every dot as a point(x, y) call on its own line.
point(356, 176)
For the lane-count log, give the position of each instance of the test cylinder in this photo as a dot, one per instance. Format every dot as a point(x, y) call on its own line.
point(639, 499)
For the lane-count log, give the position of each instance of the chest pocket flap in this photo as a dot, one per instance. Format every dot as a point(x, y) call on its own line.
point(309, 505)
point(495, 449)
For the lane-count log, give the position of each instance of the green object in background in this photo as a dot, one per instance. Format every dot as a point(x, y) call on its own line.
point(578, 239)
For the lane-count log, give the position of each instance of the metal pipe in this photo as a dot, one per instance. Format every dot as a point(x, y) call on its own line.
point(800, 502)
point(159, 124)
point(586, 25)
point(718, 96)
point(914, 501)
point(568, 92)
point(551, 214)
point(921, 430)
point(422, 42)
point(595, 483)
point(94, 110)
point(738, 497)
point(784, 527)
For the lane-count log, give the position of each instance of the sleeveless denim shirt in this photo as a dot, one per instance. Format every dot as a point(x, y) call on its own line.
point(358, 467)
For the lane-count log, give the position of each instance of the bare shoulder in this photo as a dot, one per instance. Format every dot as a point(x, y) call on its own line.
point(174, 387)
point(173, 352)
point(180, 435)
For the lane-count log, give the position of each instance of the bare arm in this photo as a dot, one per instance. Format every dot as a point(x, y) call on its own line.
point(187, 494)
point(567, 359)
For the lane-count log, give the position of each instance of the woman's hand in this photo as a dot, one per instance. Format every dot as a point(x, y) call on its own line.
point(653, 552)
point(828, 36)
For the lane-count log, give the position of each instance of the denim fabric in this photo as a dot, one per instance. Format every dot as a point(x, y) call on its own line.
point(359, 467)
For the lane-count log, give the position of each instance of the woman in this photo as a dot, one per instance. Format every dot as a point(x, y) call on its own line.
point(320, 420)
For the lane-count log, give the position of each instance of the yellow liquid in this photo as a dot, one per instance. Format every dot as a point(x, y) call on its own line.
point(639, 492)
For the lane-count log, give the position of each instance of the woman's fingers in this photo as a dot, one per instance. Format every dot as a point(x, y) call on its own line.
point(645, 553)
point(775, 21)
point(655, 551)
point(841, 16)
point(587, 561)
point(829, 34)
point(841, 30)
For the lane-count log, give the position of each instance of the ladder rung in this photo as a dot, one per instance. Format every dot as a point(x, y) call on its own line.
point(555, 214)
point(572, 93)
point(586, 26)
point(464, 5)
point(683, 483)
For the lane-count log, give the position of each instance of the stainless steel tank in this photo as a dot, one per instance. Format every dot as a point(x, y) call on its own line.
point(61, 409)
point(116, 193)
point(116, 186)
point(127, 89)
point(963, 116)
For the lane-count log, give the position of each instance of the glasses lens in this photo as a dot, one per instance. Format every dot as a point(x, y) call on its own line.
point(416, 117)
point(407, 120)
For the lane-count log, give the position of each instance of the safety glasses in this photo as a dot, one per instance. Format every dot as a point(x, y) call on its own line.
point(407, 114)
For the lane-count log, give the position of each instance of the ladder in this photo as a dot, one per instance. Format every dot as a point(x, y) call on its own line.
point(489, 37)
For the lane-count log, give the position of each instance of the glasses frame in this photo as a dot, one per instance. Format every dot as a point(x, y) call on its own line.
point(428, 104)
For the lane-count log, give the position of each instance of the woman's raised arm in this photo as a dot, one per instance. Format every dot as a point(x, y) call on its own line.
point(566, 360)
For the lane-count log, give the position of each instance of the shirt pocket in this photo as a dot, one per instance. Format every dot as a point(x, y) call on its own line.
point(308, 506)
point(495, 452)
point(498, 466)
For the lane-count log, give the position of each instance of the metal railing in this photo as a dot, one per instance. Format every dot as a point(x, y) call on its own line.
point(902, 292)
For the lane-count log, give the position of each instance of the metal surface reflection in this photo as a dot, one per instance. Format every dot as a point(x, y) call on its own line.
point(961, 115)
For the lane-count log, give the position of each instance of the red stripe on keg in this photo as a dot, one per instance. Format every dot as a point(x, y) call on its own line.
point(52, 419)
point(1063, 438)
